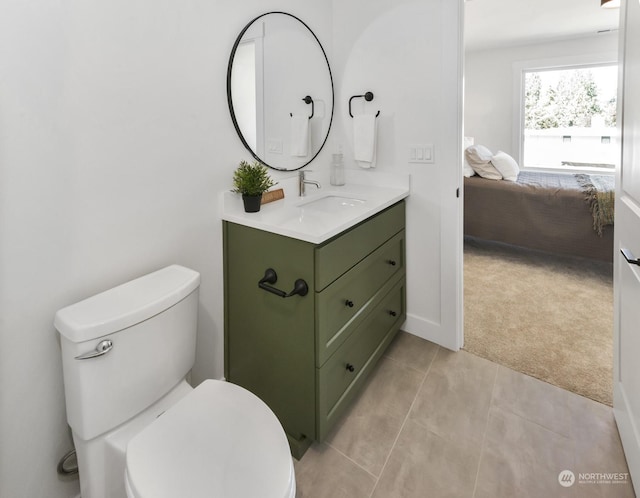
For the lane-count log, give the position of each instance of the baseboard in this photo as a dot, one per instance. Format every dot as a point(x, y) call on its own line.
point(628, 432)
point(430, 331)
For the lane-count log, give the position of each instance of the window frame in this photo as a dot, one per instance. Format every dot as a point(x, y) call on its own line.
point(550, 64)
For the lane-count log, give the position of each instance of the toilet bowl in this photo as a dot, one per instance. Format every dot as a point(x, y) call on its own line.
point(219, 441)
point(140, 430)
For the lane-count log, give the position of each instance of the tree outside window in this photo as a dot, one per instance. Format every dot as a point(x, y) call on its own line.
point(579, 103)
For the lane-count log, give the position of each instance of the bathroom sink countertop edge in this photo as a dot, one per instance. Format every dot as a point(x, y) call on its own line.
point(319, 216)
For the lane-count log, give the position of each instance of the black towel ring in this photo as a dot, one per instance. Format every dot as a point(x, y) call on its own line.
point(307, 100)
point(367, 96)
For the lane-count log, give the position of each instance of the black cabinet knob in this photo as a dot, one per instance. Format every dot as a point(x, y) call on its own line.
point(350, 367)
point(392, 262)
point(349, 303)
point(392, 313)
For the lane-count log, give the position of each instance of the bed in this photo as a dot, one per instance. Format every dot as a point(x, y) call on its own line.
point(553, 212)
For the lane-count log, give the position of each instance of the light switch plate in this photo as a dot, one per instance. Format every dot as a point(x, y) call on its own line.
point(274, 145)
point(421, 154)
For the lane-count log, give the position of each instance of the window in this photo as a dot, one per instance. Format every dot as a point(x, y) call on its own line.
point(568, 116)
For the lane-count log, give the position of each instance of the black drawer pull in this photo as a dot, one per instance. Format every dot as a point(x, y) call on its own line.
point(392, 262)
point(349, 303)
point(392, 313)
point(350, 367)
point(300, 287)
point(629, 257)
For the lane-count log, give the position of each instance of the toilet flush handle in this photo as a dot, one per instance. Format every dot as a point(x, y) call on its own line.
point(102, 348)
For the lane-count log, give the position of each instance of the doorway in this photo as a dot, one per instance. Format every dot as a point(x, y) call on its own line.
point(527, 306)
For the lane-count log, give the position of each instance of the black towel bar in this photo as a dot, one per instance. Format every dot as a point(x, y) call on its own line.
point(300, 287)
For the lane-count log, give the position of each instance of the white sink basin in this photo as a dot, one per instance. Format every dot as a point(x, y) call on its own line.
point(332, 203)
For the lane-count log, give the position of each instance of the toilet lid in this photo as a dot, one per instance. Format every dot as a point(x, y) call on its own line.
point(219, 441)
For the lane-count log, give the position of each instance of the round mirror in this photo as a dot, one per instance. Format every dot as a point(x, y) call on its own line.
point(280, 91)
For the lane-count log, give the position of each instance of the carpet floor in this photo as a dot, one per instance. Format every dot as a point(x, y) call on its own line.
point(547, 316)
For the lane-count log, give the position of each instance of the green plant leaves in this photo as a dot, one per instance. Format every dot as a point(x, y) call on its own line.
point(252, 179)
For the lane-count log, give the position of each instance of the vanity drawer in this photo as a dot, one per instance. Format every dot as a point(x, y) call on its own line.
point(346, 302)
point(339, 255)
point(340, 377)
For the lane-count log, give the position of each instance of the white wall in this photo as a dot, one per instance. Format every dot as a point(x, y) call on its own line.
point(115, 141)
point(489, 101)
point(406, 53)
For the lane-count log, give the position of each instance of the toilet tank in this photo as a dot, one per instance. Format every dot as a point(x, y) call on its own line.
point(151, 325)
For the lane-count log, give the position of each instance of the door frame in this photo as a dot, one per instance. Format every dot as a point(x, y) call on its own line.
point(622, 405)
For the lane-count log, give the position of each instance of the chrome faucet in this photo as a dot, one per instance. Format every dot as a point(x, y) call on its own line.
point(302, 182)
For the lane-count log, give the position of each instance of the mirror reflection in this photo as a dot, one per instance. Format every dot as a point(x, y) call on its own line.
point(280, 91)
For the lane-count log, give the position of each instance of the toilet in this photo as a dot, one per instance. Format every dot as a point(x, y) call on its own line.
point(140, 430)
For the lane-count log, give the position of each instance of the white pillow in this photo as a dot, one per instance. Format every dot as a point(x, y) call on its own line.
point(478, 154)
point(467, 169)
point(506, 165)
point(479, 157)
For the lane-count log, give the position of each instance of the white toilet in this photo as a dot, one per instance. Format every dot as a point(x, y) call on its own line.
point(139, 429)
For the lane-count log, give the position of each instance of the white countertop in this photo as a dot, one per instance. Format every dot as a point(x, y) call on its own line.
point(364, 194)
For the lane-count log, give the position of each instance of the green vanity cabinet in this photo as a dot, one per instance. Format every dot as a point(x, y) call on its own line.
point(307, 356)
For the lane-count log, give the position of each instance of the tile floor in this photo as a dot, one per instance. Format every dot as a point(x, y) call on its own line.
point(432, 423)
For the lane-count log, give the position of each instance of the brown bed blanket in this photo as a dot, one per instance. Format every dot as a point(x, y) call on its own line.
point(545, 211)
point(600, 195)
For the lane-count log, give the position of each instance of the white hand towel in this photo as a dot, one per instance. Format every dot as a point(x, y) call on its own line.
point(299, 135)
point(365, 128)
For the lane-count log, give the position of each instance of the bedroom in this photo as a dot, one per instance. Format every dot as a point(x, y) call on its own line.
point(504, 43)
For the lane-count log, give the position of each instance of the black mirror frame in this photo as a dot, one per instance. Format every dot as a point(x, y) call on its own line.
point(230, 99)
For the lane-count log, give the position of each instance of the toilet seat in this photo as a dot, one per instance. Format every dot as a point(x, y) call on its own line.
point(219, 441)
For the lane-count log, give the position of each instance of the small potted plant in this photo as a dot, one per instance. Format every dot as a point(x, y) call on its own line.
point(251, 180)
